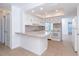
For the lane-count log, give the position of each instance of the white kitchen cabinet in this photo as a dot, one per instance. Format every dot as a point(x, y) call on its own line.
point(56, 32)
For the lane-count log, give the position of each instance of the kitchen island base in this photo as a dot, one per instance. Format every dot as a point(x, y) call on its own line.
point(34, 44)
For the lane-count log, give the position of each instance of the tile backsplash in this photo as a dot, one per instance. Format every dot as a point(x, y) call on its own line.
point(34, 28)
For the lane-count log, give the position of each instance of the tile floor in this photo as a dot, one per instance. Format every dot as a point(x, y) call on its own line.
point(54, 49)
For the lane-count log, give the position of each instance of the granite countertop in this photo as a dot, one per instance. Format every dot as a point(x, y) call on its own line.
point(35, 33)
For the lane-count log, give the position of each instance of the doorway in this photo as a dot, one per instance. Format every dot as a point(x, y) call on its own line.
point(69, 32)
point(5, 30)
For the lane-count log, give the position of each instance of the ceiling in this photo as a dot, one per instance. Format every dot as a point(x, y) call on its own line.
point(27, 6)
point(5, 6)
point(49, 9)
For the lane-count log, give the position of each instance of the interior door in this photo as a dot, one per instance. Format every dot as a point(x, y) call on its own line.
point(7, 30)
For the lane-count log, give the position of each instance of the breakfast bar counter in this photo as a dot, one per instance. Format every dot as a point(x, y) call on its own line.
point(36, 42)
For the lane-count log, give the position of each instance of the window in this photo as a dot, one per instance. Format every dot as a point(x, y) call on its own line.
point(70, 27)
point(48, 26)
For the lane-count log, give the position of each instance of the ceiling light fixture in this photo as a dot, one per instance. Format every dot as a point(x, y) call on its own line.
point(32, 11)
point(41, 8)
point(56, 10)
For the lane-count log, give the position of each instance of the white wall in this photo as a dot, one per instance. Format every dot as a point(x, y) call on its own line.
point(64, 26)
point(74, 33)
point(16, 26)
point(78, 28)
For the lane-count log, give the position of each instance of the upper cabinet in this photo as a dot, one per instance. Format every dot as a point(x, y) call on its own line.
point(32, 20)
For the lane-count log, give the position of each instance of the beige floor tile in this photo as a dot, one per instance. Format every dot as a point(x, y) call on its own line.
point(54, 49)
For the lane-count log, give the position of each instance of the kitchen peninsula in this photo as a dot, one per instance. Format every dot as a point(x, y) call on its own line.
point(34, 41)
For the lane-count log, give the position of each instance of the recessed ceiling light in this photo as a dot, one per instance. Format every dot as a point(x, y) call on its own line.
point(33, 11)
point(41, 8)
point(56, 10)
